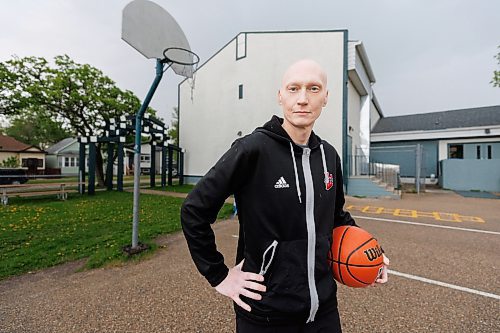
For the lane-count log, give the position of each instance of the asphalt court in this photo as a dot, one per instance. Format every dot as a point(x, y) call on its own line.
point(445, 255)
point(400, 212)
point(165, 293)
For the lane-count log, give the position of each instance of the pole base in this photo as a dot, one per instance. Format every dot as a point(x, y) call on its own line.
point(130, 251)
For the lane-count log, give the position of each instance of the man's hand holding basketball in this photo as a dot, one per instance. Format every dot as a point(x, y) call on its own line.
point(239, 283)
point(383, 276)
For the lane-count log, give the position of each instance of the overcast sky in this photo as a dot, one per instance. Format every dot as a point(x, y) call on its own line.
point(427, 55)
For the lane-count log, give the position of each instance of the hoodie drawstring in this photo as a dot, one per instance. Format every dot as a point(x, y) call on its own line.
point(323, 159)
point(325, 170)
point(296, 174)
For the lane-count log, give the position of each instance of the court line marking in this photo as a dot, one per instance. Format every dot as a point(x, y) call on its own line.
point(426, 224)
point(444, 284)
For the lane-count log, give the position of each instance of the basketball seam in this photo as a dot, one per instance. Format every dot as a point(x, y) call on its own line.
point(354, 265)
point(340, 253)
point(349, 256)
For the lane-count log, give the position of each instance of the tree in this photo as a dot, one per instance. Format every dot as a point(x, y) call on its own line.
point(37, 129)
point(173, 131)
point(10, 162)
point(79, 97)
point(496, 74)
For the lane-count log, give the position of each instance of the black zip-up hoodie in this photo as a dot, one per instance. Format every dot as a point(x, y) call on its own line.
point(289, 199)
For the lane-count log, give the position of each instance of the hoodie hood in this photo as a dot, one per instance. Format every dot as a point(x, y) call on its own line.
point(274, 128)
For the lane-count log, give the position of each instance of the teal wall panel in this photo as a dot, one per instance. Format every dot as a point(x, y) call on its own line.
point(403, 154)
point(470, 174)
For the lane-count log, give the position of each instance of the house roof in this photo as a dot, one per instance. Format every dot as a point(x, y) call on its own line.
point(474, 117)
point(55, 148)
point(10, 144)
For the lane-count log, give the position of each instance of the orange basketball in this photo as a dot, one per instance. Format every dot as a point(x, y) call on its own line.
point(356, 257)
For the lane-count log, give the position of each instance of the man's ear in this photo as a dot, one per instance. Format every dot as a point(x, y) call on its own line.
point(326, 99)
point(279, 97)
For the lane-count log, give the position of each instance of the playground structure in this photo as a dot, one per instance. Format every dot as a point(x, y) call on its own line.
point(115, 134)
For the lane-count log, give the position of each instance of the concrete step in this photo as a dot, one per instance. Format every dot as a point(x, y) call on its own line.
point(367, 187)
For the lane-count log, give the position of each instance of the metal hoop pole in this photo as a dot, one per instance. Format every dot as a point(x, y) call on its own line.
point(137, 150)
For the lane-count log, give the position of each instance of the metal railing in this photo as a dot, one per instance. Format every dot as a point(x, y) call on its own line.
point(389, 174)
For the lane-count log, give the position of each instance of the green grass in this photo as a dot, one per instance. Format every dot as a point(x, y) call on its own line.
point(176, 188)
point(39, 233)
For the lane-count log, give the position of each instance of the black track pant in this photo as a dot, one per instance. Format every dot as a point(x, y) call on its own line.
point(327, 323)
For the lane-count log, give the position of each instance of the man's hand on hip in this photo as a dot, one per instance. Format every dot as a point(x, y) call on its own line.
point(239, 283)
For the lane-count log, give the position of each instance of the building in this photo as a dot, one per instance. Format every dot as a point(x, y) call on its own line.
point(461, 148)
point(64, 155)
point(30, 157)
point(235, 91)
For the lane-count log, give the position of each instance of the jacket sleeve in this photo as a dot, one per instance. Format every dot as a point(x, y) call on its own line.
point(341, 216)
point(201, 207)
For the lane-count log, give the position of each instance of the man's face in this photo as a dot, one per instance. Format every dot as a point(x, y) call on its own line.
point(303, 93)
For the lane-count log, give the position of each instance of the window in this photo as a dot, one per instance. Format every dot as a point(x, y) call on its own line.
point(241, 46)
point(24, 162)
point(240, 91)
point(489, 152)
point(456, 151)
point(145, 158)
point(478, 152)
point(39, 163)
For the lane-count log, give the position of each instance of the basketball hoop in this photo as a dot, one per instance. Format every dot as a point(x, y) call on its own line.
point(153, 32)
point(183, 61)
point(181, 56)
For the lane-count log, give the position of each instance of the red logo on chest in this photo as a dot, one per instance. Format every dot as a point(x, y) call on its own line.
point(328, 181)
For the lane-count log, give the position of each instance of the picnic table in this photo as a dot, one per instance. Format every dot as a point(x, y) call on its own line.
point(60, 190)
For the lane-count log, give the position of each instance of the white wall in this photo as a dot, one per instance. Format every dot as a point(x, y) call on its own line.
point(354, 108)
point(209, 122)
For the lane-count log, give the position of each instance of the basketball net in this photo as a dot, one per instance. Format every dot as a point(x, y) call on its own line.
point(192, 81)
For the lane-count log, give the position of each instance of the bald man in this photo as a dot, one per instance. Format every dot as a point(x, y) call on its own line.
point(287, 183)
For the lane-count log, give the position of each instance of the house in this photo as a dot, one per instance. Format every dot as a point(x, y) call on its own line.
point(235, 91)
point(30, 157)
point(461, 148)
point(64, 155)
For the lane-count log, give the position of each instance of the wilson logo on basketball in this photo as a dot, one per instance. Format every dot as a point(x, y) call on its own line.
point(373, 253)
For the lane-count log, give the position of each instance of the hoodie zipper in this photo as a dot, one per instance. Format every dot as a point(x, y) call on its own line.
point(311, 233)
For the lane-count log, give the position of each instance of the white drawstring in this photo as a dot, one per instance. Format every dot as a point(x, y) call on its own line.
point(263, 269)
point(296, 174)
point(323, 159)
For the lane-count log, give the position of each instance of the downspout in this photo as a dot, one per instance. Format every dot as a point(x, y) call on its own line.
point(345, 157)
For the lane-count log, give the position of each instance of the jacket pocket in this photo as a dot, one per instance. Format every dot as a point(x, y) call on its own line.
point(286, 281)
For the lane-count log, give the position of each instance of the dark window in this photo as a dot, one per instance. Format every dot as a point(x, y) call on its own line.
point(489, 152)
point(478, 152)
point(24, 162)
point(456, 151)
point(240, 91)
point(40, 163)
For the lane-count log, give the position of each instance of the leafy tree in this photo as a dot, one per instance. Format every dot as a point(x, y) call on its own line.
point(173, 131)
point(10, 162)
point(78, 96)
point(496, 74)
point(37, 129)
